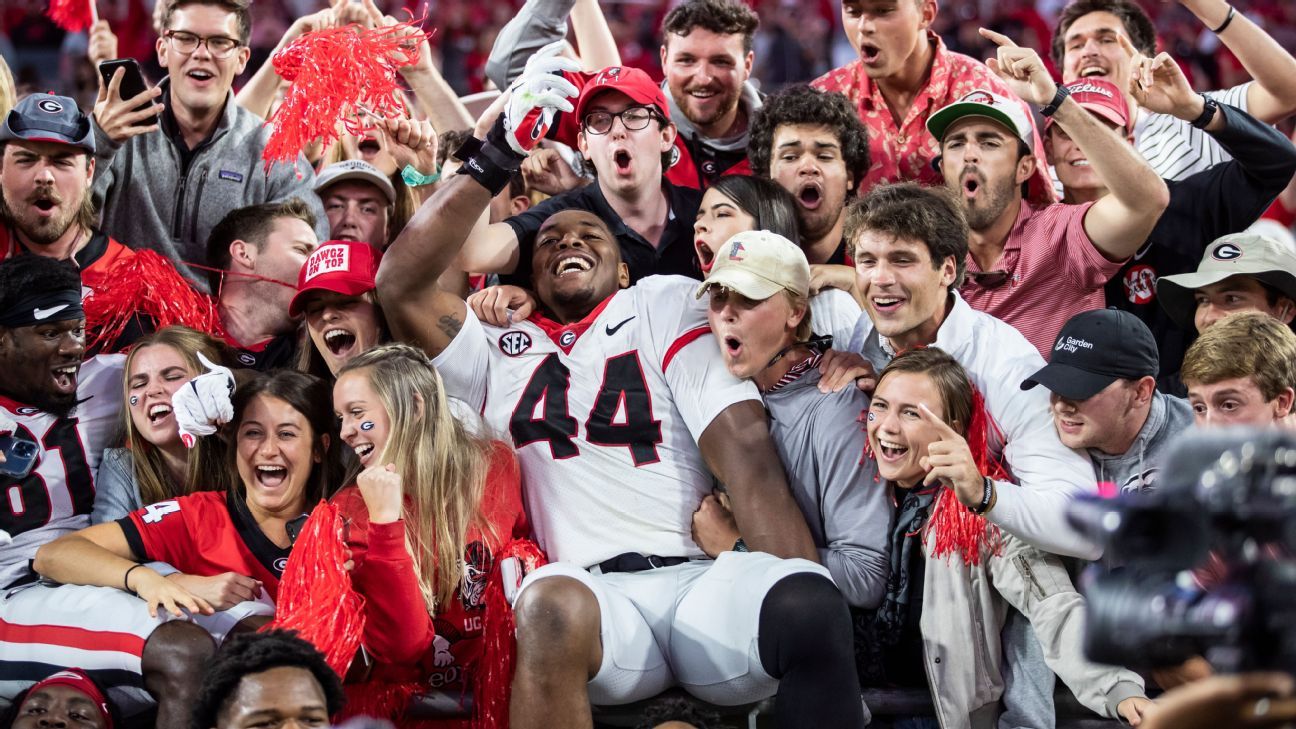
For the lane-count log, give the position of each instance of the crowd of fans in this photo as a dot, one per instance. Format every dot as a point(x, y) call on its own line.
point(659, 368)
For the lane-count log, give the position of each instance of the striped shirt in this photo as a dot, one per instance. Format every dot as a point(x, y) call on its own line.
point(1177, 149)
point(1052, 271)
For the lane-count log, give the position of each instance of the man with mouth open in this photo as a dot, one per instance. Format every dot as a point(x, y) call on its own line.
point(68, 409)
point(46, 167)
point(620, 408)
point(166, 186)
point(1037, 266)
point(813, 145)
point(707, 57)
point(627, 134)
point(1105, 38)
point(904, 73)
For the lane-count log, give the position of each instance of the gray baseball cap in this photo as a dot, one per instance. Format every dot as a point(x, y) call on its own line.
point(354, 169)
point(1239, 254)
point(48, 118)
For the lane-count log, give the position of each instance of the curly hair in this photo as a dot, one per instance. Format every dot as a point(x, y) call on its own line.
point(680, 710)
point(1138, 26)
point(249, 653)
point(805, 105)
point(722, 17)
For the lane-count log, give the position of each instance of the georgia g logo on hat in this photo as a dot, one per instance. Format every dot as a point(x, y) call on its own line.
point(980, 97)
point(50, 106)
point(1226, 252)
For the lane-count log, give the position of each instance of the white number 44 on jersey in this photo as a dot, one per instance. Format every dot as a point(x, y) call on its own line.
point(153, 513)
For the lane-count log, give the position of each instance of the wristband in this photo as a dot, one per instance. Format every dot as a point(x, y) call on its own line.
point(1061, 96)
point(414, 178)
point(987, 497)
point(1227, 19)
point(492, 163)
point(1209, 108)
point(740, 546)
point(126, 579)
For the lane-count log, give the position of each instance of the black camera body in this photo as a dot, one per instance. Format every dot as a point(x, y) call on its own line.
point(1206, 562)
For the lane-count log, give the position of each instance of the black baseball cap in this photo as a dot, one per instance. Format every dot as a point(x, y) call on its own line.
point(1094, 349)
point(48, 118)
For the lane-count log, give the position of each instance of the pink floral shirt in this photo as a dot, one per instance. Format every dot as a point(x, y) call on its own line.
point(904, 152)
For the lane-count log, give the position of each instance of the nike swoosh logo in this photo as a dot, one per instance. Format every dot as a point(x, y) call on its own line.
point(614, 329)
point(47, 313)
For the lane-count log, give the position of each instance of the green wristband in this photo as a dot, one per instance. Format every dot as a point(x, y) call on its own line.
point(414, 178)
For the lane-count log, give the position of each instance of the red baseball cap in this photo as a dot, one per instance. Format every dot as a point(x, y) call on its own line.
point(632, 82)
point(1101, 98)
point(341, 266)
point(79, 680)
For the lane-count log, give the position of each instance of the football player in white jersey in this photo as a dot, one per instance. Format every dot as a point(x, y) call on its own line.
point(620, 409)
point(60, 412)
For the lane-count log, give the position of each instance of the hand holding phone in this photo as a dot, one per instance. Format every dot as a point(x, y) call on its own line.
point(17, 457)
point(126, 106)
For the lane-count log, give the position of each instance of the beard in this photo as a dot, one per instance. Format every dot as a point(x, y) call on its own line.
point(728, 99)
point(990, 204)
point(37, 229)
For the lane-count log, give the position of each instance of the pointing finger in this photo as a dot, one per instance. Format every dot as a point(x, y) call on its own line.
point(998, 39)
point(933, 420)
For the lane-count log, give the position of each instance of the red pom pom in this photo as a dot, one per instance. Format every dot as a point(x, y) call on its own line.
point(494, 674)
point(145, 284)
point(332, 73)
point(72, 15)
point(958, 530)
point(316, 598)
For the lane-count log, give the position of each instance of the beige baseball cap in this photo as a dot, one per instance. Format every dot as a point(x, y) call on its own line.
point(1239, 254)
point(758, 264)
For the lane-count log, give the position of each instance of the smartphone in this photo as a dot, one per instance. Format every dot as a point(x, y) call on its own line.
point(132, 83)
point(20, 456)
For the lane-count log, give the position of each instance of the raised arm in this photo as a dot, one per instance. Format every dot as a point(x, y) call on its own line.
point(1120, 222)
point(417, 311)
point(1272, 97)
point(598, 49)
point(738, 449)
point(537, 24)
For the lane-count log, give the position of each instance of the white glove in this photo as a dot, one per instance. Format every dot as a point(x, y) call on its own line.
point(204, 402)
point(537, 96)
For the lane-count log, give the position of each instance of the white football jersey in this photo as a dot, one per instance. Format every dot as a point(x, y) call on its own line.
point(605, 414)
point(56, 497)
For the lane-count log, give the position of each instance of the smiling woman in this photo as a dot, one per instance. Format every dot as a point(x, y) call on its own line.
point(150, 463)
point(237, 541)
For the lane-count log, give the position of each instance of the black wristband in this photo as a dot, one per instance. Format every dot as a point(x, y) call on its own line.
point(1210, 108)
point(1061, 96)
point(492, 163)
point(126, 579)
point(986, 497)
point(1227, 19)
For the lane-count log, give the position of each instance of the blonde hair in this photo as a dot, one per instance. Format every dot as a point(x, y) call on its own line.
point(205, 469)
point(442, 465)
point(8, 92)
point(1246, 344)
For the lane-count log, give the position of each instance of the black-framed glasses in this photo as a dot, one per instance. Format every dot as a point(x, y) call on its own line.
point(634, 119)
point(186, 43)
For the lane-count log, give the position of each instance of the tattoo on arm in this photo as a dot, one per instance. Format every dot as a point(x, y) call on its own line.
point(450, 325)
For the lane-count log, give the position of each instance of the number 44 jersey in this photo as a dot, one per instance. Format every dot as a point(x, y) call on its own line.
point(605, 414)
point(58, 494)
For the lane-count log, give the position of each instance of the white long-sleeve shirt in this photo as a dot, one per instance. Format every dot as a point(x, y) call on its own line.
point(1048, 474)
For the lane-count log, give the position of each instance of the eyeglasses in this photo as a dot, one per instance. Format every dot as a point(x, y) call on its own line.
point(218, 45)
point(634, 119)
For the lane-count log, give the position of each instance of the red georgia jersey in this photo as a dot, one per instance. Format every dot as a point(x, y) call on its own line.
point(206, 533)
point(57, 495)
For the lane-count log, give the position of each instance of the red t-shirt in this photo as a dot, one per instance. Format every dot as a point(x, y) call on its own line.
point(206, 533)
point(408, 643)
